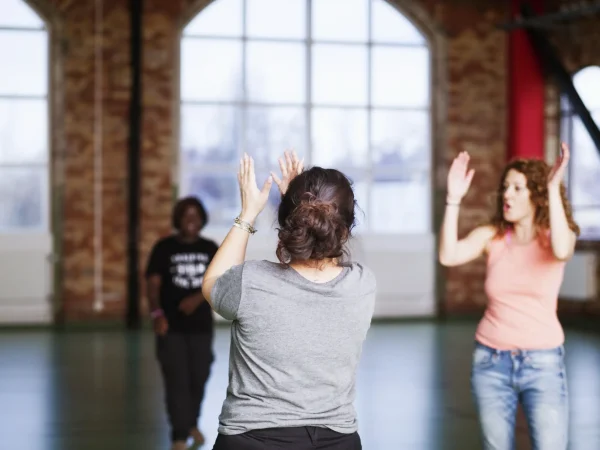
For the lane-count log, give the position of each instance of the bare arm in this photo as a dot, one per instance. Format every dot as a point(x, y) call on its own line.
point(231, 253)
point(454, 252)
point(153, 291)
point(189, 304)
point(562, 238)
point(159, 322)
point(233, 249)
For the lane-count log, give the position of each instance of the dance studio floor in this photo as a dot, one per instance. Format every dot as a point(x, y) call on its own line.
point(100, 390)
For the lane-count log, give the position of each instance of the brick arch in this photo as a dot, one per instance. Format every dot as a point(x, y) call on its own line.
point(431, 29)
point(45, 9)
point(428, 22)
point(468, 64)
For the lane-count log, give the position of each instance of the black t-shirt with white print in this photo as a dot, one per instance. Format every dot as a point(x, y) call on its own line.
point(181, 266)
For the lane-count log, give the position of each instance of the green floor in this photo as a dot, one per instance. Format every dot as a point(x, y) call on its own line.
point(85, 390)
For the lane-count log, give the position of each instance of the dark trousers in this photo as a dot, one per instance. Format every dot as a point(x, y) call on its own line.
point(185, 361)
point(297, 438)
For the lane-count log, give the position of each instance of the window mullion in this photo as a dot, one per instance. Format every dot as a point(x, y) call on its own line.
point(244, 103)
point(369, 174)
point(308, 94)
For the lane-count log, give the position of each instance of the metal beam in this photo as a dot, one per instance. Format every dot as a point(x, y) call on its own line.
point(557, 70)
point(566, 13)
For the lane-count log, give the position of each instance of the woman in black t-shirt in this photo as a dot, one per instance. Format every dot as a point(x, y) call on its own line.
point(182, 319)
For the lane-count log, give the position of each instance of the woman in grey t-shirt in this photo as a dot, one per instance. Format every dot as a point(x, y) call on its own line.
point(298, 325)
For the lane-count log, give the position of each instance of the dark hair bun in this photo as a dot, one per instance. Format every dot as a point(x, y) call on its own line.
point(316, 216)
point(314, 230)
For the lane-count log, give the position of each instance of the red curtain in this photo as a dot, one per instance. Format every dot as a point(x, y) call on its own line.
point(525, 93)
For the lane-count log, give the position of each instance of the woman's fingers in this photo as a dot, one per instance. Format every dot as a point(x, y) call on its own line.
point(276, 179)
point(251, 174)
point(289, 161)
point(283, 167)
point(246, 168)
point(300, 167)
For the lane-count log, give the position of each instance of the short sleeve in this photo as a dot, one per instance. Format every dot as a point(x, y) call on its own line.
point(157, 260)
point(226, 294)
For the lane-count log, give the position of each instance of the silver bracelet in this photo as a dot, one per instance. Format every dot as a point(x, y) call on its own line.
point(244, 225)
point(449, 203)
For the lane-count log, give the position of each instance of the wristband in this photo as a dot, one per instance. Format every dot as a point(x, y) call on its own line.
point(449, 202)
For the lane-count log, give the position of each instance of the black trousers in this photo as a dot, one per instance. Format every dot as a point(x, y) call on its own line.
point(185, 361)
point(297, 438)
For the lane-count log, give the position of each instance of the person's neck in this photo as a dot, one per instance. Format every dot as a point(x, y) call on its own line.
point(315, 264)
point(524, 231)
point(320, 271)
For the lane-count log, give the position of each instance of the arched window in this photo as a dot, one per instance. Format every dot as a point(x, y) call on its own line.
point(24, 140)
point(584, 169)
point(344, 82)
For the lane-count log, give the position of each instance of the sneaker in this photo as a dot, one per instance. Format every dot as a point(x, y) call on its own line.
point(198, 436)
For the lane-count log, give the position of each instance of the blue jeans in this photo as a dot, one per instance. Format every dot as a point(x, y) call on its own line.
point(535, 378)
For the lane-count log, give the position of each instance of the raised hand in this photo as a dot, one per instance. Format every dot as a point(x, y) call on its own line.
point(557, 173)
point(253, 198)
point(290, 167)
point(459, 177)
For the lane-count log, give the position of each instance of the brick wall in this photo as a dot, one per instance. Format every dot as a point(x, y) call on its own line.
point(469, 108)
point(81, 132)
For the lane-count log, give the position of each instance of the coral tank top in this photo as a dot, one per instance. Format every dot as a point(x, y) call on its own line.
point(522, 285)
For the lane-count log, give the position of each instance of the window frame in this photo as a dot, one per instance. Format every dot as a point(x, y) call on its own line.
point(308, 105)
point(566, 128)
point(46, 224)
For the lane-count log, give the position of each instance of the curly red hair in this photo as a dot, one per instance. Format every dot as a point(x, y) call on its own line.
point(536, 172)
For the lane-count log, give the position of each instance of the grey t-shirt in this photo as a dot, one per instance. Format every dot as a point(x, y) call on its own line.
point(295, 346)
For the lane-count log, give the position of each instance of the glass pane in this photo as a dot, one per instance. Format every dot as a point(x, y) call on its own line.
point(339, 74)
point(389, 25)
point(589, 223)
point(401, 204)
point(211, 69)
point(327, 23)
point(219, 18)
point(276, 18)
point(587, 83)
point(23, 201)
point(210, 134)
point(17, 13)
point(400, 77)
point(585, 171)
point(339, 137)
point(271, 131)
point(23, 131)
point(24, 56)
point(220, 194)
point(276, 72)
point(565, 104)
point(401, 138)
